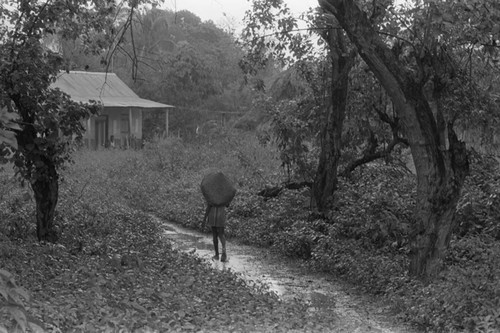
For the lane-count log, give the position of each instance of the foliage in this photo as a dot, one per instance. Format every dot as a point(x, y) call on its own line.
point(295, 138)
point(135, 281)
point(375, 206)
point(113, 271)
point(28, 68)
point(12, 304)
point(450, 44)
point(58, 123)
point(365, 240)
point(465, 297)
point(295, 107)
point(271, 32)
point(48, 121)
point(254, 220)
point(415, 55)
point(478, 211)
point(172, 168)
point(177, 59)
point(7, 125)
point(311, 102)
point(296, 97)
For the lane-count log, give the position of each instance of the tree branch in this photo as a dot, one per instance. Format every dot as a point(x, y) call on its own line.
point(112, 50)
point(370, 154)
point(392, 122)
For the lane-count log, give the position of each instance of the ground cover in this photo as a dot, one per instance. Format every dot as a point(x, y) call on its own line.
point(112, 270)
point(364, 241)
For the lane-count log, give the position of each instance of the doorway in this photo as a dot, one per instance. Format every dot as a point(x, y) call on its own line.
point(101, 131)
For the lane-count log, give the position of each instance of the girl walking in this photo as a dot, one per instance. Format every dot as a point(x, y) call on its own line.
point(217, 220)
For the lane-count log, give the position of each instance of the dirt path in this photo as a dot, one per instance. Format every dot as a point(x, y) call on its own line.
point(285, 277)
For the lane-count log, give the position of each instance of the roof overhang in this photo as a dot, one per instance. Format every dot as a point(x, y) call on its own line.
point(106, 88)
point(124, 102)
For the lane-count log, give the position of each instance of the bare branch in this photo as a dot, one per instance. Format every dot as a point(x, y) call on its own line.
point(371, 154)
point(121, 33)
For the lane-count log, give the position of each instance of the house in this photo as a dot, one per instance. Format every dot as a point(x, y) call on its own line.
point(120, 121)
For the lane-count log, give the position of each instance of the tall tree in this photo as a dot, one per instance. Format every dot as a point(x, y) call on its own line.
point(47, 119)
point(342, 60)
point(272, 29)
point(418, 84)
point(178, 59)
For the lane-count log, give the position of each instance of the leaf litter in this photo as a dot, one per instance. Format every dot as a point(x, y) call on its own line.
point(132, 280)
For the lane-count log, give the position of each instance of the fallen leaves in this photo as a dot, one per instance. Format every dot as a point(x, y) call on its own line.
point(143, 286)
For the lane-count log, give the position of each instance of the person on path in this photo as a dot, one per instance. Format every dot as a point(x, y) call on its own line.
point(216, 216)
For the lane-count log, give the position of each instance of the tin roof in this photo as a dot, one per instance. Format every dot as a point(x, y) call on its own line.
point(104, 87)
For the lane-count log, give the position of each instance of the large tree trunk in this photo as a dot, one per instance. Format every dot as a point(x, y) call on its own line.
point(46, 192)
point(441, 166)
point(325, 182)
point(439, 182)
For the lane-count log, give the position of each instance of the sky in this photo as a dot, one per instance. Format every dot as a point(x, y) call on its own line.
point(228, 12)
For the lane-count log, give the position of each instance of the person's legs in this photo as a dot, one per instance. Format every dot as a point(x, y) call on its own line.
point(222, 237)
point(216, 243)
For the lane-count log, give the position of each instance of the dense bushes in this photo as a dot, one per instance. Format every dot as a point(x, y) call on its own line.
point(479, 207)
point(466, 296)
point(367, 242)
point(16, 207)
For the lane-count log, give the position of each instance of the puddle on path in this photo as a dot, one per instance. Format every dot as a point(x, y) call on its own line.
point(356, 313)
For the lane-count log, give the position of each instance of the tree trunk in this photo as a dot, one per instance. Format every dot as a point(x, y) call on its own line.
point(441, 166)
point(40, 170)
point(325, 182)
point(46, 192)
point(438, 190)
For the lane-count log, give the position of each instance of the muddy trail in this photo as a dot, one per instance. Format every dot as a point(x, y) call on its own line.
point(285, 277)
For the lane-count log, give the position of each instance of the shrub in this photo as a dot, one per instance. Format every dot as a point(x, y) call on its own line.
point(17, 219)
point(367, 242)
point(375, 206)
point(479, 208)
point(255, 220)
point(377, 271)
point(467, 294)
point(13, 301)
point(298, 240)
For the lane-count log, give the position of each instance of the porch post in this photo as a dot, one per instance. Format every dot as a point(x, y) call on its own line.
point(129, 127)
point(166, 121)
point(88, 133)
